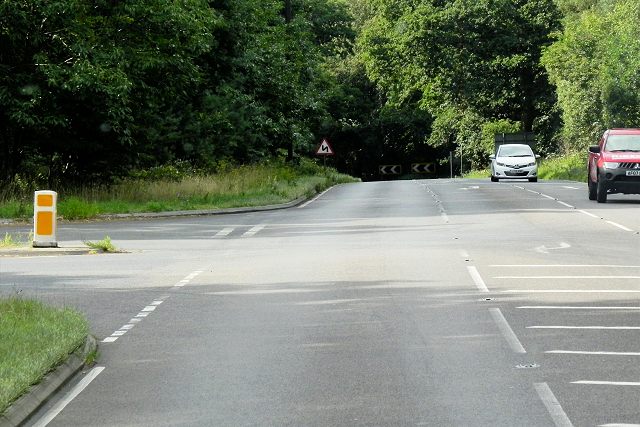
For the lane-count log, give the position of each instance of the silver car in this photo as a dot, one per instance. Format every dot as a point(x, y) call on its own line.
point(514, 161)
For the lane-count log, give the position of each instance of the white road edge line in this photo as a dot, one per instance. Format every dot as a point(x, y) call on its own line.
point(594, 353)
point(314, 199)
point(553, 406)
point(506, 331)
point(635, 384)
point(570, 307)
point(617, 328)
point(53, 412)
point(575, 291)
point(566, 277)
point(565, 265)
point(477, 279)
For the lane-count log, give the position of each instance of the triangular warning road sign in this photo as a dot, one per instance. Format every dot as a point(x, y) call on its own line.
point(324, 149)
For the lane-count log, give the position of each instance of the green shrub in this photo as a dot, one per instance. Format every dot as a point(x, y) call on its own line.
point(74, 208)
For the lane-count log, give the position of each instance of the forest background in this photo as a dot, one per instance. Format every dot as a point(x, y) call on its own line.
point(93, 91)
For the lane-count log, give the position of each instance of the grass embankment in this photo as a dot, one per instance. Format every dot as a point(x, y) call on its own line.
point(570, 167)
point(34, 339)
point(171, 189)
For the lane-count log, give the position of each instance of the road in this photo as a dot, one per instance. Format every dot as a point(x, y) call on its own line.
point(405, 303)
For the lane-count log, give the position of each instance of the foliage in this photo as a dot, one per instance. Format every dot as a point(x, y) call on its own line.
point(74, 208)
point(595, 66)
point(90, 89)
point(269, 183)
point(570, 166)
point(104, 244)
point(34, 338)
point(472, 62)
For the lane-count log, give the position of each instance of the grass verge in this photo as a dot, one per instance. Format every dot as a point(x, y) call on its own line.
point(34, 339)
point(239, 186)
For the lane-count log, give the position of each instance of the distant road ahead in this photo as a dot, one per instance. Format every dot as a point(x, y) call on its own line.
point(406, 303)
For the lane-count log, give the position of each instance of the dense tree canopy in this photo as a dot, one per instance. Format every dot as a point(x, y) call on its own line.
point(595, 65)
point(91, 89)
point(471, 61)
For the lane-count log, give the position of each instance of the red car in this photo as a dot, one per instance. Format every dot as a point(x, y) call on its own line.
point(614, 164)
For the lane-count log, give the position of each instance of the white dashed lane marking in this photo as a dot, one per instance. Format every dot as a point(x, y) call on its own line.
point(253, 231)
point(151, 307)
point(225, 232)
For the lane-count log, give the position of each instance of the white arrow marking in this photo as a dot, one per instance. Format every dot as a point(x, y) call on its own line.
point(545, 250)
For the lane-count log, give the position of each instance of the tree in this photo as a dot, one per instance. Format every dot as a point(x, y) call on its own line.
point(595, 67)
point(468, 58)
point(92, 85)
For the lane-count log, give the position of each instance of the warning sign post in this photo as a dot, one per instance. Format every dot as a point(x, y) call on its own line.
point(324, 150)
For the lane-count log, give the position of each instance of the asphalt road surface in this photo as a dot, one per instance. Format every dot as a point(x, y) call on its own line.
point(405, 303)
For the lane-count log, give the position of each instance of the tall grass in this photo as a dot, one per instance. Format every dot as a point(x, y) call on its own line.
point(571, 167)
point(169, 190)
point(34, 338)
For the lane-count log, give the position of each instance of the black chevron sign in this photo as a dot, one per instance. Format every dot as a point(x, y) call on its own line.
point(423, 167)
point(390, 169)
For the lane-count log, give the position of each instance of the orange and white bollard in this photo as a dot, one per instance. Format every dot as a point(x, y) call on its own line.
point(45, 223)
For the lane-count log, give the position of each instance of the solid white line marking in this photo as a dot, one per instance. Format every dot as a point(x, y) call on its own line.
point(566, 204)
point(594, 353)
point(614, 328)
point(566, 277)
point(477, 279)
point(619, 425)
point(53, 412)
point(506, 331)
point(618, 225)
point(314, 199)
point(593, 291)
point(565, 265)
point(553, 406)
point(444, 217)
point(570, 307)
point(636, 384)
